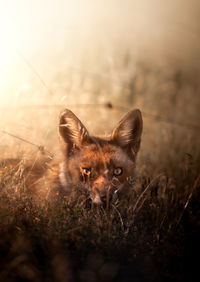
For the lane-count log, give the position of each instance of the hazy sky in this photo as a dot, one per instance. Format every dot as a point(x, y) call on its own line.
point(36, 24)
point(158, 29)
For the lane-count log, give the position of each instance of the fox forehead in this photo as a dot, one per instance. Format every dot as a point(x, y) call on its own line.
point(104, 154)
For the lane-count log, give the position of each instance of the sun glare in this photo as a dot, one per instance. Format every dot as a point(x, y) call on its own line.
point(27, 27)
point(9, 37)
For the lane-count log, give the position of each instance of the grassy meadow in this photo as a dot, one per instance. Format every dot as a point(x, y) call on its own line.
point(153, 235)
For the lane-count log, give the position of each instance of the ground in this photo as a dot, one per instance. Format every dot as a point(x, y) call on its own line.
point(152, 236)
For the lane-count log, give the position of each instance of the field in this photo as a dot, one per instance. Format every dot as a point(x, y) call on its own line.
point(152, 236)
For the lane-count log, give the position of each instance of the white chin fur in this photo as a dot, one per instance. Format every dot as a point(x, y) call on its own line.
point(97, 200)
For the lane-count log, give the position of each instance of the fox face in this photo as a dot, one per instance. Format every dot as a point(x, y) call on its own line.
point(101, 166)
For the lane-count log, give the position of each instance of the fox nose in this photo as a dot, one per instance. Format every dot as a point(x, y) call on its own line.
point(100, 200)
point(102, 197)
point(101, 190)
point(97, 200)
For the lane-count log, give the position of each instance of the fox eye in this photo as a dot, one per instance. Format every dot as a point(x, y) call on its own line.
point(117, 171)
point(86, 171)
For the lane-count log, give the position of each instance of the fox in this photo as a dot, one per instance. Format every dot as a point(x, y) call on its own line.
point(102, 167)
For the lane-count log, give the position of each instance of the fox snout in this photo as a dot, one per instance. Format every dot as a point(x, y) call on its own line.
point(102, 190)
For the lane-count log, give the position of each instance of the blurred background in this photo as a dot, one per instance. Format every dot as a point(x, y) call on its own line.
point(79, 54)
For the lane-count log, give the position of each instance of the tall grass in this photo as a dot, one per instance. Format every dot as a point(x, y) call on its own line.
point(153, 235)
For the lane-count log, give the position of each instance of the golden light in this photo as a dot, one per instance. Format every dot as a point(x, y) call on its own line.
point(66, 29)
point(8, 37)
point(33, 27)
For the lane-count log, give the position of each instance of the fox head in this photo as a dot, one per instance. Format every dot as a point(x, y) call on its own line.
point(101, 166)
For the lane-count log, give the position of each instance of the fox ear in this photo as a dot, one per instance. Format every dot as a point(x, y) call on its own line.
point(72, 132)
point(127, 134)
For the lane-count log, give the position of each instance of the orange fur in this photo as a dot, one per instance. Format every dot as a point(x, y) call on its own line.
point(89, 163)
point(100, 167)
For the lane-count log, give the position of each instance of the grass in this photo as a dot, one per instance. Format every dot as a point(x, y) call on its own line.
point(149, 237)
point(153, 235)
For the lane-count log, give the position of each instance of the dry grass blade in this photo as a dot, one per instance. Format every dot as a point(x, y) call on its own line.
point(143, 193)
point(120, 217)
point(196, 184)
